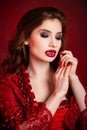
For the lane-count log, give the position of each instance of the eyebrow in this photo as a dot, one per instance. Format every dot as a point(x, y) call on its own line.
point(49, 31)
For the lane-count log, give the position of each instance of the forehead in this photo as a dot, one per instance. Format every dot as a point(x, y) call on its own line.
point(51, 25)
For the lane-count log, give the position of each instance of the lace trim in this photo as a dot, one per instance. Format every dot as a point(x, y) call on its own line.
point(17, 118)
point(31, 111)
point(72, 115)
point(83, 116)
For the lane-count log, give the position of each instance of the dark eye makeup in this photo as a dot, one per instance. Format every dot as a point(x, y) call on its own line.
point(44, 34)
point(59, 37)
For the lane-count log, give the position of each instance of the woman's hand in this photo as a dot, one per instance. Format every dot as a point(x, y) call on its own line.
point(67, 58)
point(62, 78)
point(61, 81)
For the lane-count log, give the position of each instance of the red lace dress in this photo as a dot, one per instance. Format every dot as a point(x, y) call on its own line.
point(58, 119)
point(20, 111)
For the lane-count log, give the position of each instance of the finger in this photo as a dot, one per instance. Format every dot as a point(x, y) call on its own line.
point(60, 72)
point(67, 61)
point(72, 61)
point(64, 59)
point(67, 70)
point(59, 69)
point(64, 56)
point(63, 72)
point(66, 52)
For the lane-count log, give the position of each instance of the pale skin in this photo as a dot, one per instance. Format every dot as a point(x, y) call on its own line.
point(54, 92)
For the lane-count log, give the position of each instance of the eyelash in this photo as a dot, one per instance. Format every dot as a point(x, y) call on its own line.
point(45, 35)
point(59, 37)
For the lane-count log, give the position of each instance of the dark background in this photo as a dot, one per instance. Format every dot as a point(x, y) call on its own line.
point(76, 12)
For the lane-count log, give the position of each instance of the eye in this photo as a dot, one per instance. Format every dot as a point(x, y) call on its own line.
point(44, 34)
point(58, 37)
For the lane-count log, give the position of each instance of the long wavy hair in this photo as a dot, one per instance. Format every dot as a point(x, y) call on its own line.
point(18, 52)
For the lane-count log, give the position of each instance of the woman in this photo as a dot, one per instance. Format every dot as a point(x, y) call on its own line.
point(40, 91)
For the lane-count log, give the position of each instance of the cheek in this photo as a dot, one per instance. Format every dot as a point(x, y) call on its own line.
point(35, 46)
point(32, 43)
point(59, 45)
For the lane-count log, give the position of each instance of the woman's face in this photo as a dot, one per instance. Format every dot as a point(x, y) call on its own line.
point(45, 41)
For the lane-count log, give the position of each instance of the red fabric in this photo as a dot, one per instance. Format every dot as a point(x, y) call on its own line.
point(58, 119)
point(20, 111)
point(83, 117)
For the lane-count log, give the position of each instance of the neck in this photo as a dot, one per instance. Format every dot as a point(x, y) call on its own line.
point(39, 69)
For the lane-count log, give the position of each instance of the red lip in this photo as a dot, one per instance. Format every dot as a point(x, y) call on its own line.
point(50, 53)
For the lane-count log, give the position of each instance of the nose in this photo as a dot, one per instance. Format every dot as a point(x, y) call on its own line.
point(53, 43)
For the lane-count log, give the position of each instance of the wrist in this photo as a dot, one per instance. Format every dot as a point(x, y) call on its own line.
point(73, 77)
point(58, 95)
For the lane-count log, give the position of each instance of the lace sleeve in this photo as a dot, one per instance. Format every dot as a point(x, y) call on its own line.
point(75, 119)
point(38, 119)
point(15, 116)
point(71, 115)
point(83, 116)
